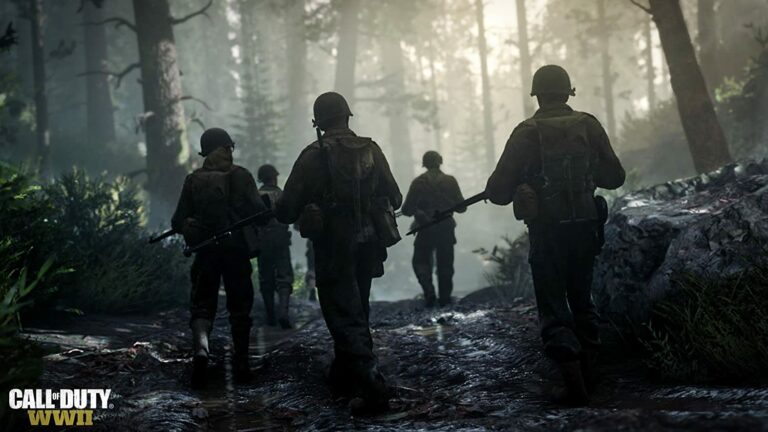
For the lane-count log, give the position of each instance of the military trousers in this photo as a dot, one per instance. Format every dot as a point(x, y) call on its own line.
point(430, 248)
point(344, 274)
point(275, 269)
point(209, 268)
point(562, 258)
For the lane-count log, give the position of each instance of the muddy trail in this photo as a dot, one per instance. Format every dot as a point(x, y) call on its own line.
point(473, 366)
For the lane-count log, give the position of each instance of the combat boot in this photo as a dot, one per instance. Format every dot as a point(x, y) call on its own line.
point(269, 307)
point(374, 392)
point(588, 362)
point(200, 330)
point(241, 370)
point(283, 308)
point(575, 391)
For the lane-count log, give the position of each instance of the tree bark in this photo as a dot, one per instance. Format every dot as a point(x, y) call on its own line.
point(650, 68)
point(490, 152)
point(164, 121)
point(706, 140)
point(605, 60)
point(708, 44)
point(346, 52)
point(42, 131)
point(393, 61)
point(248, 79)
point(100, 119)
point(525, 58)
point(298, 108)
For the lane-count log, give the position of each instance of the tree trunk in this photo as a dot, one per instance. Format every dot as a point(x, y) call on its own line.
point(298, 108)
point(100, 119)
point(605, 60)
point(708, 45)
point(525, 58)
point(490, 153)
point(43, 134)
point(392, 58)
point(436, 125)
point(164, 121)
point(650, 69)
point(346, 52)
point(706, 140)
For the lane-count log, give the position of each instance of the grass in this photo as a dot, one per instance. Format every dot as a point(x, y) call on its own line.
point(712, 331)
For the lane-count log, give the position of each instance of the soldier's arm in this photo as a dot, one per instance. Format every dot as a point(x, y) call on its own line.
point(295, 194)
point(609, 173)
point(183, 208)
point(509, 170)
point(387, 184)
point(456, 194)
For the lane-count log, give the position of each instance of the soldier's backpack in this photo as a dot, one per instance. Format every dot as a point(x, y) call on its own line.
point(565, 185)
point(352, 187)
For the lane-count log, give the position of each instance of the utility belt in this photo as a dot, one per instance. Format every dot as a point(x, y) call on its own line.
point(312, 221)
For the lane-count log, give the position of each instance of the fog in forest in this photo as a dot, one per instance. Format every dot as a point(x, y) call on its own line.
point(446, 75)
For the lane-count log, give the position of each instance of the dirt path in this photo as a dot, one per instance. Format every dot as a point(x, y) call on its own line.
point(471, 367)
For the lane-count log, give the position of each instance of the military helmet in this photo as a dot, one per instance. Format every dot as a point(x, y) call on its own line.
point(552, 79)
point(212, 139)
point(266, 172)
point(328, 106)
point(431, 159)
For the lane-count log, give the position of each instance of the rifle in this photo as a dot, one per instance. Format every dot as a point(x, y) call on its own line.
point(226, 232)
point(163, 236)
point(440, 216)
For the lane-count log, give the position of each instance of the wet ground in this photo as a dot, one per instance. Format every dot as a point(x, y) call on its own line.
point(468, 367)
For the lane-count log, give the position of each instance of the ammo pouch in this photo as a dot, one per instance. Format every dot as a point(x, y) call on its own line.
point(525, 203)
point(194, 232)
point(311, 222)
point(384, 222)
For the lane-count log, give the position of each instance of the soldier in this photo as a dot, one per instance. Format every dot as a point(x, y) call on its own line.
point(430, 192)
point(213, 197)
point(550, 168)
point(275, 270)
point(335, 187)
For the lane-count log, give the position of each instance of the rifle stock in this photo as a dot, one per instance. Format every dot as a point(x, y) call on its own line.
point(445, 214)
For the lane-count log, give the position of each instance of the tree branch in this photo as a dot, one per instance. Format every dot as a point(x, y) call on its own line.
point(198, 100)
point(201, 11)
point(120, 75)
point(645, 8)
point(117, 20)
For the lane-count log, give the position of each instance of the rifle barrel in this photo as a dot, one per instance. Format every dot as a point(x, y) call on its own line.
point(445, 214)
point(162, 236)
point(189, 250)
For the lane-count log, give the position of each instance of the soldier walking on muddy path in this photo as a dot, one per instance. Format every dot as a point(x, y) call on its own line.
point(342, 192)
point(550, 168)
point(212, 198)
point(430, 192)
point(275, 268)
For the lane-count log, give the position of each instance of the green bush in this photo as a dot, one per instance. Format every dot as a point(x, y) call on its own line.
point(95, 229)
point(712, 331)
point(511, 272)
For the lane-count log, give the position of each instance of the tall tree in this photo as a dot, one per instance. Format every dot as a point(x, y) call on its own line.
point(525, 57)
point(703, 132)
point(43, 134)
point(397, 104)
point(298, 108)
point(490, 153)
point(604, 35)
point(164, 121)
point(346, 52)
point(436, 125)
point(708, 43)
point(650, 68)
point(100, 121)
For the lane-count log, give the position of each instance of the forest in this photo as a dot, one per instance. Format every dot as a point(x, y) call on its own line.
point(103, 103)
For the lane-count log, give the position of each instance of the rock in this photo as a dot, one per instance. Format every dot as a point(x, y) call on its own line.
point(711, 226)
